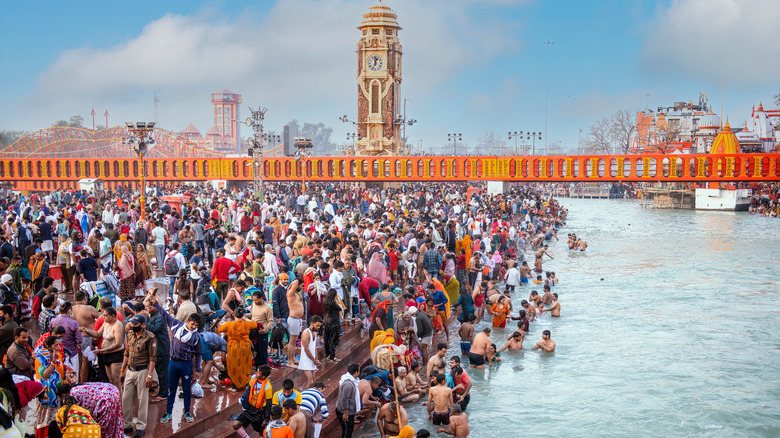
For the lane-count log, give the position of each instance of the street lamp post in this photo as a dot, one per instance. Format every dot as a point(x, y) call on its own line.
point(303, 146)
point(454, 137)
point(352, 136)
point(404, 123)
point(255, 150)
point(514, 135)
point(270, 137)
point(534, 136)
point(140, 138)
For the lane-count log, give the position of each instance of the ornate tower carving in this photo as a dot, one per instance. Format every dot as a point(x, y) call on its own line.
point(379, 83)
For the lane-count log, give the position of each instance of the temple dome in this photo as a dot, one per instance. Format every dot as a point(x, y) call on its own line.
point(709, 121)
point(726, 142)
point(747, 136)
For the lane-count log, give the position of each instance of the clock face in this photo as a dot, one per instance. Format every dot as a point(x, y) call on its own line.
point(374, 63)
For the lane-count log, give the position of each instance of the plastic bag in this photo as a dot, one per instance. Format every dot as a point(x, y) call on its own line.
point(197, 390)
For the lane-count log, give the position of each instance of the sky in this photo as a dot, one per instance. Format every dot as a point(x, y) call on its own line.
point(469, 65)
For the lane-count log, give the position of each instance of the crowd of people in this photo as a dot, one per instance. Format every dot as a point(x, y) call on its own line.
point(248, 286)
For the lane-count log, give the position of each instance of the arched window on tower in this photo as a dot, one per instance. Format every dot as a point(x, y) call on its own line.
point(375, 97)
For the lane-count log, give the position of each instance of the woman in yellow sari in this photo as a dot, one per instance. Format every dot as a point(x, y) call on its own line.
point(382, 337)
point(239, 349)
point(119, 244)
point(75, 421)
point(451, 287)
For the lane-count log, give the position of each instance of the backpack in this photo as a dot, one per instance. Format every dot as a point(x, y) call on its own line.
point(171, 268)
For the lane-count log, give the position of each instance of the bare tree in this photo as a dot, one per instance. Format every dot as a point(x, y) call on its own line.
point(73, 122)
point(666, 135)
point(599, 137)
point(8, 137)
point(622, 126)
point(777, 100)
point(487, 142)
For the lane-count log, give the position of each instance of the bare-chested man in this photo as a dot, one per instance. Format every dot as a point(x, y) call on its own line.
point(297, 420)
point(525, 273)
point(582, 245)
point(542, 251)
point(459, 423)
point(546, 344)
point(387, 419)
point(440, 399)
point(366, 389)
point(507, 300)
point(413, 380)
point(555, 308)
point(295, 320)
point(547, 298)
point(479, 348)
point(405, 394)
point(466, 333)
point(437, 361)
point(85, 315)
point(515, 342)
point(538, 264)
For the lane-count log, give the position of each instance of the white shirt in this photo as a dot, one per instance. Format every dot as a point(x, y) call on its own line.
point(159, 236)
point(335, 282)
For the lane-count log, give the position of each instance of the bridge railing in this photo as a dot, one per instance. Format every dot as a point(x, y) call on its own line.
point(598, 168)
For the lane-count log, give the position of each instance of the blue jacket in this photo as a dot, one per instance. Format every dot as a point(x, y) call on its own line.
point(180, 351)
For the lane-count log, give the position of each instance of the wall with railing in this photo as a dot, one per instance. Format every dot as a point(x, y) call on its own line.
point(62, 173)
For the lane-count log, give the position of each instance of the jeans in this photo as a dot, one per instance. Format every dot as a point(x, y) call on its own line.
point(179, 370)
point(346, 426)
point(159, 253)
point(162, 373)
point(171, 281)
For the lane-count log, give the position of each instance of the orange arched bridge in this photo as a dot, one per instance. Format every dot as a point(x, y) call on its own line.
point(59, 157)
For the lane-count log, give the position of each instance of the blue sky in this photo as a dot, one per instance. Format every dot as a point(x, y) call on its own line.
point(469, 65)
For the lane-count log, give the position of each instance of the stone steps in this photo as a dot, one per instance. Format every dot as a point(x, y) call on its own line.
point(212, 411)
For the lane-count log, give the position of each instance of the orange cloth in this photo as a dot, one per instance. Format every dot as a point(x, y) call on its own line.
point(239, 349)
point(499, 315)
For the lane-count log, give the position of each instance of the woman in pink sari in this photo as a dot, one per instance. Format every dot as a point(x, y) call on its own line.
point(126, 267)
point(377, 270)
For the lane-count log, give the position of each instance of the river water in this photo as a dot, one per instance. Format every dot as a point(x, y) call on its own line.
point(669, 327)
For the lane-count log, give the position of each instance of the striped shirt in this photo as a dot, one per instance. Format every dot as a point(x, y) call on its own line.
point(311, 399)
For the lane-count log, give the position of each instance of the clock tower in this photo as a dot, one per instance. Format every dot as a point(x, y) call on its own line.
point(379, 83)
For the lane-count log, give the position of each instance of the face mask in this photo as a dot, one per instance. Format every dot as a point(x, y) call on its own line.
point(2, 318)
point(137, 329)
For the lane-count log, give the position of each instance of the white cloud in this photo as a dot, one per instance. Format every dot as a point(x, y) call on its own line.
point(707, 39)
point(298, 60)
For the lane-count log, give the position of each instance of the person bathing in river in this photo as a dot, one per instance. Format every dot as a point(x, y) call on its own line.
point(459, 423)
point(546, 344)
point(555, 308)
point(515, 342)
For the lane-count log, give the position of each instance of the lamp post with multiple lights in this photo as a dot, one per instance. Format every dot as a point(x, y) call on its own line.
point(140, 138)
point(303, 146)
point(454, 138)
point(352, 136)
point(255, 149)
point(533, 136)
point(514, 135)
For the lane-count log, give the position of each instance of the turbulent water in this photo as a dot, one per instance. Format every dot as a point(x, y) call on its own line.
point(669, 327)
